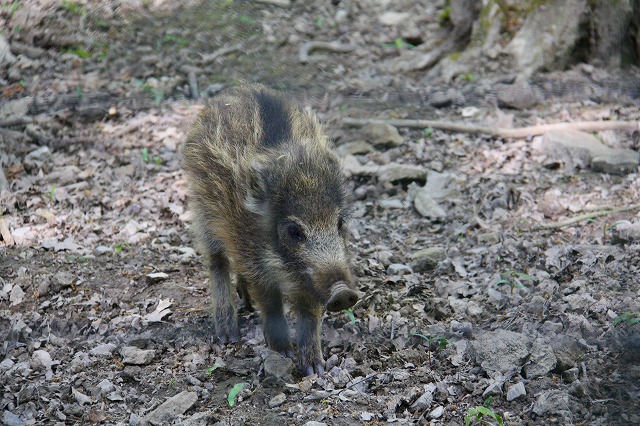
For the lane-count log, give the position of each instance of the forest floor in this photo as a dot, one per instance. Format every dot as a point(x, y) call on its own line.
point(474, 294)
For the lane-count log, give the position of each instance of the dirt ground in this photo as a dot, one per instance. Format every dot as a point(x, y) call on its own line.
point(469, 302)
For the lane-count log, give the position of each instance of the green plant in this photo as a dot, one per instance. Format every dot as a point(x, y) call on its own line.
point(399, 43)
point(482, 414)
point(79, 52)
point(441, 342)
point(145, 155)
point(118, 248)
point(349, 313)
point(73, 8)
point(52, 192)
point(235, 390)
point(172, 39)
point(630, 318)
point(157, 160)
point(211, 369)
point(11, 7)
point(469, 76)
point(605, 225)
point(514, 279)
point(428, 132)
point(158, 95)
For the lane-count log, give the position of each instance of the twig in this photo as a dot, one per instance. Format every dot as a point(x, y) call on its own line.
point(306, 49)
point(206, 59)
point(16, 121)
point(585, 216)
point(6, 234)
point(499, 132)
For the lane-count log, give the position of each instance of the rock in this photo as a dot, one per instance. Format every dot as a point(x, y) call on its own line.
point(474, 308)
point(519, 95)
point(380, 134)
point(41, 360)
point(574, 148)
point(548, 36)
point(501, 350)
point(399, 269)
point(393, 18)
point(6, 364)
point(279, 367)
point(570, 375)
point(437, 412)
point(627, 231)
point(577, 389)
point(352, 148)
point(173, 407)
point(394, 172)
point(616, 162)
point(105, 349)
point(489, 239)
point(6, 57)
point(16, 108)
point(80, 397)
point(105, 386)
point(200, 419)
point(541, 361)
point(136, 356)
point(391, 203)
point(427, 259)
point(459, 306)
point(516, 391)
point(10, 419)
point(16, 296)
point(439, 187)
point(425, 400)
point(314, 423)
point(277, 400)
point(494, 389)
point(553, 402)
point(567, 352)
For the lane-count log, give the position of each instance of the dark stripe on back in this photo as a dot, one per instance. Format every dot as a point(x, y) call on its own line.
point(276, 123)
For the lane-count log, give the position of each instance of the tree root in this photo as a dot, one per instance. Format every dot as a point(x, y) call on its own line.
point(586, 216)
point(498, 132)
point(304, 55)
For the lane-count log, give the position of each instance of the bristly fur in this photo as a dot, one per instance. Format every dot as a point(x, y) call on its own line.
point(262, 174)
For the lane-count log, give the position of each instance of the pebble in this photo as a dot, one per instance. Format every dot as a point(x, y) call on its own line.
point(427, 259)
point(136, 356)
point(277, 400)
point(105, 349)
point(380, 134)
point(570, 375)
point(541, 361)
point(437, 412)
point(501, 350)
point(10, 419)
point(399, 269)
point(494, 389)
point(173, 407)
point(279, 367)
point(516, 391)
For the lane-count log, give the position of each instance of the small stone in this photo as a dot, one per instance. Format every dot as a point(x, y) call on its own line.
point(391, 203)
point(399, 269)
point(501, 350)
point(173, 407)
point(279, 399)
point(570, 375)
point(489, 239)
point(425, 400)
point(616, 162)
point(577, 389)
point(105, 349)
point(6, 364)
point(380, 134)
point(80, 397)
point(353, 148)
point(552, 402)
point(494, 389)
point(280, 367)
point(437, 412)
point(541, 361)
point(393, 18)
point(10, 419)
point(136, 356)
point(427, 259)
point(519, 95)
point(105, 386)
point(516, 391)
point(474, 308)
point(394, 172)
point(314, 423)
point(41, 360)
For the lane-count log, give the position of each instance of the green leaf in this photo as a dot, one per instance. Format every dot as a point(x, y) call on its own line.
point(231, 399)
point(349, 313)
point(145, 155)
point(428, 132)
point(210, 370)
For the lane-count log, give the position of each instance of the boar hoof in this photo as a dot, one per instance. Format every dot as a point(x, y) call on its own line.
point(227, 329)
point(316, 368)
point(342, 297)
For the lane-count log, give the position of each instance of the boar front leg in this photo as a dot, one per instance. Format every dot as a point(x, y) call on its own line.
point(223, 300)
point(309, 315)
point(276, 329)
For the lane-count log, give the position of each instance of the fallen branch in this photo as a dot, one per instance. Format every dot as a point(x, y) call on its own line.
point(586, 216)
point(223, 51)
point(304, 55)
point(6, 234)
point(499, 132)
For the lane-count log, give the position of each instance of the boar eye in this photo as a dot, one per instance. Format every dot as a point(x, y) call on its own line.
point(295, 232)
point(340, 223)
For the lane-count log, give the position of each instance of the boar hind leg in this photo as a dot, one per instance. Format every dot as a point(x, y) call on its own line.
point(223, 299)
point(243, 292)
point(276, 329)
point(309, 316)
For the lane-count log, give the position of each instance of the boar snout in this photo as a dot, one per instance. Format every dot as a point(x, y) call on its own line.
point(342, 297)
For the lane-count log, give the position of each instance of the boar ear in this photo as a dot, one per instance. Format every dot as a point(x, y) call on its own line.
point(256, 200)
